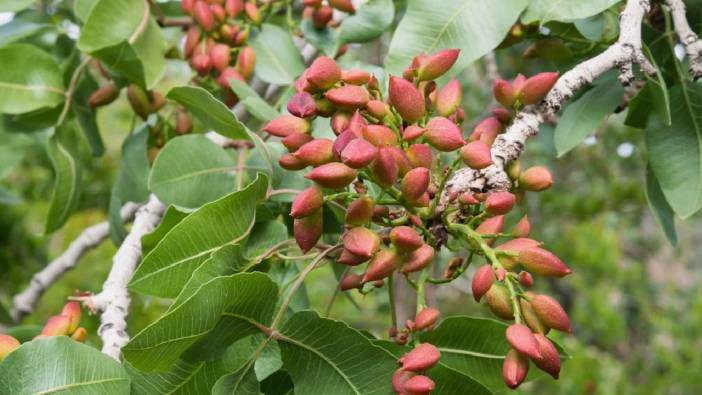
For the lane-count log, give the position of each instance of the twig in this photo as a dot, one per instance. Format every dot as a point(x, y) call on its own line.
point(688, 38)
point(71, 89)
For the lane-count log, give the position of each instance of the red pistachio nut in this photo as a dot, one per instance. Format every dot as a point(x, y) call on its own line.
point(504, 93)
point(355, 77)
point(499, 302)
point(192, 39)
point(8, 344)
point(187, 6)
point(302, 105)
point(476, 155)
point(405, 238)
point(420, 155)
point(241, 37)
point(285, 125)
point(487, 130)
point(418, 259)
point(359, 153)
point(503, 115)
point(246, 62)
point(80, 335)
point(103, 96)
point(514, 369)
point(380, 212)
point(341, 142)
point(499, 203)
point(521, 339)
point(202, 13)
point(448, 98)
point(357, 123)
point(415, 183)
point(437, 64)
point(218, 12)
point(323, 73)
point(406, 99)
point(536, 87)
point(252, 12)
point(340, 121)
point(58, 325)
point(517, 245)
point(350, 281)
point(399, 378)
point(343, 5)
point(377, 109)
point(381, 266)
point(322, 16)
point(540, 261)
point(530, 317)
point(550, 312)
point(482, 281)
point(412, 132)
point(384, 168)
point(308, 230)
point(348, 97)
point(423, 357)
point(360, 211)
point(296, 140)
point(379, 135)
point(316, 153)
point(184, 123)
point(229, 33)
point(537, 178)
point(492, 225)
point(419, 385)
point(333, 175)
point(307, 202)
point(526, 279)
point(522, 228)
point(289, 162)
point(202, 63)
point(228, 74)
point(403, 163)
point(426, 319)
point(549, 361)
point(349, 259)
point(220, 54)
point(233, 7)
point(361, 242)
point(443, 134)
point(72, 311)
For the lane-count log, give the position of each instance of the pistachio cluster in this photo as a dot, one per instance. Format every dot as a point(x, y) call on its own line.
point(322, 13)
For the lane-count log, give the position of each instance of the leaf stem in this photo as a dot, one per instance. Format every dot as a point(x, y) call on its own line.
point(71, 89)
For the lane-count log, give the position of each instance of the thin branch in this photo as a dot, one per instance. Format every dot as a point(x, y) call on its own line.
point(24, 302)
point(688, 38)
point(71, 89)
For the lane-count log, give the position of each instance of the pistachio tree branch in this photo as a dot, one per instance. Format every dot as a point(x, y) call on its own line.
point(688, 38)
point(509, 145)
point(91, 237)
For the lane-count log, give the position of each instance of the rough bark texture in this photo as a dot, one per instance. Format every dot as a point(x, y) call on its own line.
point(688, 38)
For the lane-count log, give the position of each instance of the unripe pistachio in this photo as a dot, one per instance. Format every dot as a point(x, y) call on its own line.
point(380, 212)
point(526, 279)
point(307, 202)
point(550, 312)
point(550, 361)
point(399, 378)
point(324, 107)
point(348, 97)
point(218, 12)
point(476, 155)
point(8, 344)
point(405, 238)
point(103, 96)
point(296, 140)
point(422, 357)
point(285, 125)
point(418, 259)
point(426, 319)
point(322, 16)
point(290, 162)
point(419, 385)
point(72, 311)
point(377, 109)
point(233, 7)
point(504, 93)
point(252, 12)
point(435, 65)
point(499, 302)
point(530, 317)
point(349, 259)
point(355, 77)
point(360, 211)
point(333, 175)
point(246, 62)
point(202, 63)
point(406, 99)
point(415, 183)
point(499, 203)
point(80, 335)
point(443, 134)
point(229, 33)
point(490, 226)
point(58, 325)
point(448, 98)
point(323, 73)
point(139, 101)
point(302, 105)
point(521, 339)
point(420, 155)
point(536, 87)
point(343, 5)
point(203, 15)
point(537, 178)
point(482, 281)
point(522, 228)
point(379, 135)
point(187, 6)
point(359, 153)
point(350, 281)
point(241, 37)
point(515, 369)
point(513, 169)
point(543, 262)
point(361, 242)
point(192, 39)
point(316, 153)
point(412, 132)
point(384, 168)
point(381, 266)
point(308, 230)
point(487, 131)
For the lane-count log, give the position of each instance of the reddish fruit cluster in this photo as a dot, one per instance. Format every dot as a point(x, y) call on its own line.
point(408, 378)
point(524, 91)
point(321, 14)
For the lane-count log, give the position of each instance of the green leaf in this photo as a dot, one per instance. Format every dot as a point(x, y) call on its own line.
point(61, 365)
point(237, 303)
point(660, 207)
point(67, 176)
point(171, 218)
point(328, 357)
point(191, 171)
point(370, 21)
point(18, 29)
point(15, 5)
point(325, 40)
point(82, 8)
point(86, 115)
point(278, 61)
point(675, 151)
point(168, 267)
point(581, 117)
point(12, 150)
point(264, 236)
point(210, 111)
point(134, 47)
point(654, 95)
point(242, 89)
point(563, 10)
point(30, 79)
point(241, 382)
point(259, 108)
point(474, 26)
